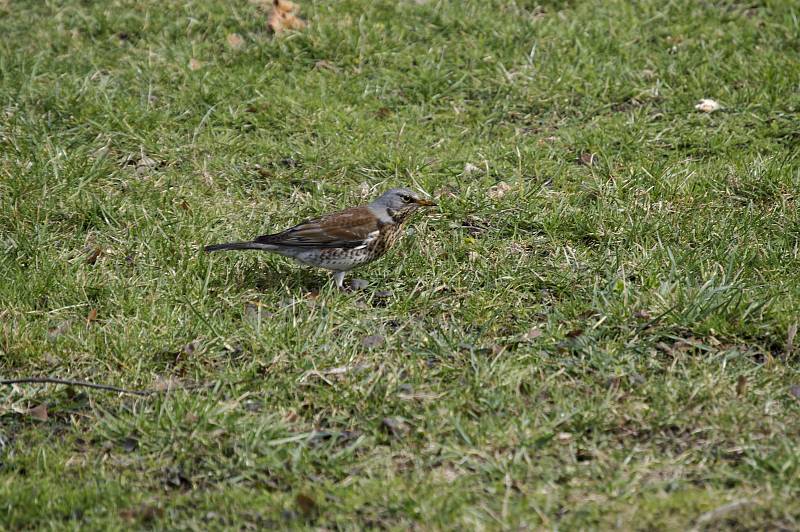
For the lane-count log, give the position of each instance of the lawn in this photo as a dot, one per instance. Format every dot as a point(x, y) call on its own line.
point(594, 329)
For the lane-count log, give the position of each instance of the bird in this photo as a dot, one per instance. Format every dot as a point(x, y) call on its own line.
point(342, 240)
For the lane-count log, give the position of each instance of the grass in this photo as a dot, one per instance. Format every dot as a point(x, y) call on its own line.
point(603, 345)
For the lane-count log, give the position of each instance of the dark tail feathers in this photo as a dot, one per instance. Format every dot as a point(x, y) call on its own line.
point(234, 245)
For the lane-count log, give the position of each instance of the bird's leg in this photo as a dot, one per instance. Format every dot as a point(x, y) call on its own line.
point(339, 278)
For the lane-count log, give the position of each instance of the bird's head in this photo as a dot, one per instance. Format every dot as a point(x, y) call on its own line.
point(400, 203)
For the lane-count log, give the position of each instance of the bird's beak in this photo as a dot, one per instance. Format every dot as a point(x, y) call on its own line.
point(426, 203)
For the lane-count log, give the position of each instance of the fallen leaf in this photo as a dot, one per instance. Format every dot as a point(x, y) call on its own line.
point(372, 341)
point(741, 386)
point(707, 105)
point(499, 190)
point(587, 159)
point(39, 412)
point(312, 295)
point(93, 256)
point(194, 64)
point(92, 316)
point(574, 333)
point(283, 17)
point(235, 40)
point(305, 504)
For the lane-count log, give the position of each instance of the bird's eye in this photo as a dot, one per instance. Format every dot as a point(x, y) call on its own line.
point(407, 199)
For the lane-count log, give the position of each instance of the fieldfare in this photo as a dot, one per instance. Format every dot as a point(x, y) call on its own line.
point(342, 240)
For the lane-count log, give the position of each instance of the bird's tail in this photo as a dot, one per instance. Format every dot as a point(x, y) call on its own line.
point(239, 245)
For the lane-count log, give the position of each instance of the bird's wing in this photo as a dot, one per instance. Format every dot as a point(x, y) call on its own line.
point(351, 228)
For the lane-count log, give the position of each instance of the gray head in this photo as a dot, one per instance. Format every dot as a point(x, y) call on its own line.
point(399, 203)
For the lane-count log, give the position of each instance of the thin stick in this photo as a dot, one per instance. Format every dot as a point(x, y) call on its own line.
point(50, 380)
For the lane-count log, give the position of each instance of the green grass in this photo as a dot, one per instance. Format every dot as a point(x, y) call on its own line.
point(662, 278)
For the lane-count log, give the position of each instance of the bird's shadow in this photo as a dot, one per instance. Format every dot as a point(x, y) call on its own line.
point(268, 278)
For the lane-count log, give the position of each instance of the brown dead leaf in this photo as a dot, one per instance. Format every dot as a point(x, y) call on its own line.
point(91, 317)
point(312, 295)
point(741, 386)
point(305, 504)
point(587, 159)
point(39, 412)
point(283, 17)
point(94, 254)
point(194, 64)
point(235, 40)
point(574, 333)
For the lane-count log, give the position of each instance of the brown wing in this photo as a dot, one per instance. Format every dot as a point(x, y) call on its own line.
point(345, 229)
